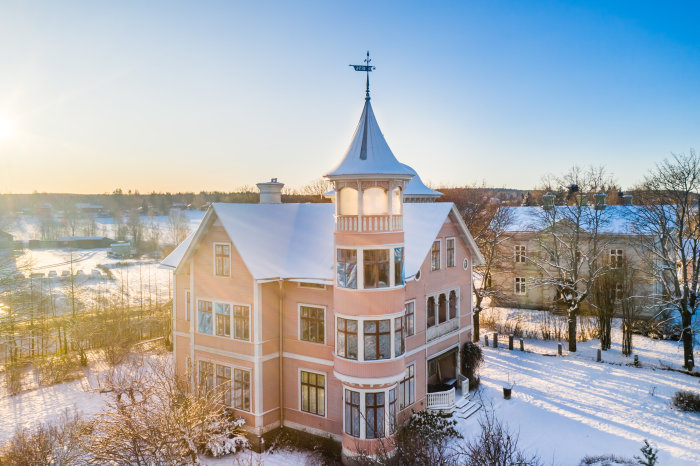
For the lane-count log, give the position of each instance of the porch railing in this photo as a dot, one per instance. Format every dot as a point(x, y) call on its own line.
point(443, 328)
point(442, 400)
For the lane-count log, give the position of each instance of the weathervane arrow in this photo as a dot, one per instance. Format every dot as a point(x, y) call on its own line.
point(366, 68)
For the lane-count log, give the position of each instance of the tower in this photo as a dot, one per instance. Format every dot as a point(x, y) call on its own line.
point(370, 290)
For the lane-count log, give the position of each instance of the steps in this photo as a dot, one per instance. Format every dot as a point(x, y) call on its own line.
point(465, 408)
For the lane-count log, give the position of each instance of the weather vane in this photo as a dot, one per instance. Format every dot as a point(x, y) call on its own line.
point(367, 68)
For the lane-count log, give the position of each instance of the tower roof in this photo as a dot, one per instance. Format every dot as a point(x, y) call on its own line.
point(369, 154)
point(416, 189)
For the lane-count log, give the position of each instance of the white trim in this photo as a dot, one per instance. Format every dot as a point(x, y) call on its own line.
point(175, 317)
point(434, 342)
point(363, 409)
point(361, 335)
point(325, 326)
point(519, 282)
point(301, 284)
point(231, 354)
point(213, 251)
point(325, 391)
point(257, 313)
point(301, 357)
point(361, 269)
point(440, 353)
point(350, 379)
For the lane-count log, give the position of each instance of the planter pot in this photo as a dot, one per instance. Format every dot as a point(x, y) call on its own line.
point(506, 392)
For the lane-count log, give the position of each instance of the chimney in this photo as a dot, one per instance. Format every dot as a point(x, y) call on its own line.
point(548, 201)
point(271, 192)
point(600, 200)
point(627, 199)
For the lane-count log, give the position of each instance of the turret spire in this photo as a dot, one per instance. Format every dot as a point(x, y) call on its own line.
point(366, 68)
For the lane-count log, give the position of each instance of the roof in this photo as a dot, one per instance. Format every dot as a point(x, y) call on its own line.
point(369, 153)
point(295, 241)
point(82, 238)
point(616, 219)
point(416, 188)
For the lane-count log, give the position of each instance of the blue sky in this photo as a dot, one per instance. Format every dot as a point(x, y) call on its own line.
point(176, 96)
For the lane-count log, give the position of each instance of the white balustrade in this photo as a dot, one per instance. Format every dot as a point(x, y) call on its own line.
point(369, 223)
point(441, 400)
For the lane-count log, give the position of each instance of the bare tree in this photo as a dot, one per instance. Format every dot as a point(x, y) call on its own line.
point(491, 244)
point(571, 243)
point(605, 295)
point(670, 225)
point(178, 225)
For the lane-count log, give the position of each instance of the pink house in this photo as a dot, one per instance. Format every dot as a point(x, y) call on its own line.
point(335, 319)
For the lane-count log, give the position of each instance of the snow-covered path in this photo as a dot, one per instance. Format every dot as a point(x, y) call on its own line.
point(568, 407)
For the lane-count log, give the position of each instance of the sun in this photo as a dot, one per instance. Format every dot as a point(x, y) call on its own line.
point(5, 128)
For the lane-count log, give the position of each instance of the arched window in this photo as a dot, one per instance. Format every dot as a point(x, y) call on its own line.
point(453, 304)
point(431, 311)
point(347, 201)
point(375, 201)
point(442, 309)
point(396, 201)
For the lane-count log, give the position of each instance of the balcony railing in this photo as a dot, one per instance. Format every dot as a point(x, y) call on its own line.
point(441, 400)
point(443, 328)
point(369, 223)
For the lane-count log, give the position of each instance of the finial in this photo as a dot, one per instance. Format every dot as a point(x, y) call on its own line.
point(366, 68)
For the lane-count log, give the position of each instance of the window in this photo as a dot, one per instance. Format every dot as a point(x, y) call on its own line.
point(442, 309)
point(376, 267)
point(223, 319)
point(312, 324)
point(450, 246)
point(223, 383)
point(410, 318)
point(519, 254)
point(453, 304)
point(222, 260)
point(188, 304)
point(392, 410)
point(489, 283)
point(520, 286)
point(241, 389)
point(398, 336)
point(616, 258)
point(206, 376)
point(204, 317)
point(398, 267)
point(352, 413)
point(430, 311)
point(377, 335)
point(347, 268)
point(241, 322)
point(407, 387)
point(435, 256)
point(313, 393)
point(347, 338)
point(374, 415)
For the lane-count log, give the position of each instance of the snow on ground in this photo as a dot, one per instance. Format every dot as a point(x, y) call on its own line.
point(26, 227)
point(568, 407)
point(248, 458)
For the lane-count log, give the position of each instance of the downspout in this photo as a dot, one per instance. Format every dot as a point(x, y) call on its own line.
point(281, 352)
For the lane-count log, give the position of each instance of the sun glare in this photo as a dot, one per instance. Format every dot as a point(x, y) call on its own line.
point(5, 128)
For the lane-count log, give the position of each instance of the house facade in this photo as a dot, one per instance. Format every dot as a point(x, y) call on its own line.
point(518, 275)
point(336, 319)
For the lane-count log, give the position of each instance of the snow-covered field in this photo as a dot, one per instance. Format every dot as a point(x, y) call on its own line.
point(26, 227)
point(568, 407)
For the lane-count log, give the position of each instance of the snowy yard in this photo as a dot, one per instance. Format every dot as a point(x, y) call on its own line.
point(568, 407)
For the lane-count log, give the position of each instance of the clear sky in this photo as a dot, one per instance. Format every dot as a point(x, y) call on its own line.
point(192, 96)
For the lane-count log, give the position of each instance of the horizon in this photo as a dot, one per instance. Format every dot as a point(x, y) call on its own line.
point(219, 96)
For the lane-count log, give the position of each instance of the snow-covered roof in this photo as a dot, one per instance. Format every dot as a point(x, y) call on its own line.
point(615, 219)
point(368, 153)
point(295, 241)
point(416, 188)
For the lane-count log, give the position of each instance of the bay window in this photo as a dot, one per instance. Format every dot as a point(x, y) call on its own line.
point(398, 267)
point(374, 415)
point(347, 268)
point(347, 338)
point(377, 339)
point(376, 268)
point(398, 337)
point(352, 413)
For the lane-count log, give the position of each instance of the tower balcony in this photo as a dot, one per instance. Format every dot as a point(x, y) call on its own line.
point(369, 223)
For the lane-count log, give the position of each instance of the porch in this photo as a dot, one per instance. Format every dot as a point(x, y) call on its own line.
point(446, 386)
